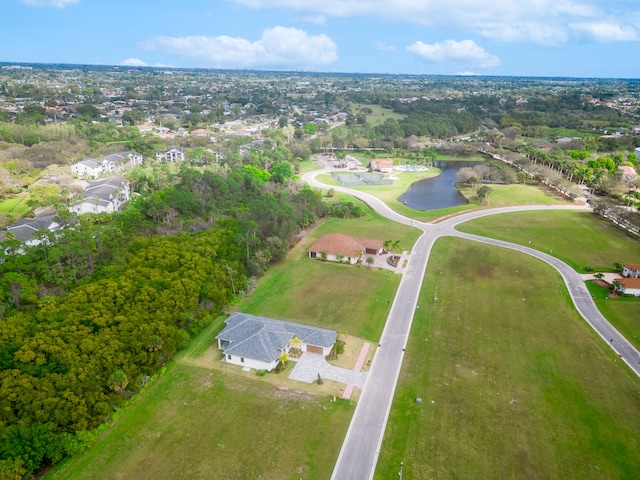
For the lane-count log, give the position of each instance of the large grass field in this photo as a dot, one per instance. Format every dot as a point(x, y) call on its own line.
point(515, 194)
point(203, 423)
point(378, 114)
point(16, 206)
point(514, 384)
point(580, 239)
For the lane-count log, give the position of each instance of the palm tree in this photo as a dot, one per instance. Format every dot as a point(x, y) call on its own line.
point(284, 356)
point(370, 261)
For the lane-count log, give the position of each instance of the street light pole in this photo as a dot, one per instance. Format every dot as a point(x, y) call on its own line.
point(400, 472)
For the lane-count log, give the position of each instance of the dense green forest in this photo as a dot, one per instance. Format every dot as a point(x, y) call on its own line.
point(92, 315)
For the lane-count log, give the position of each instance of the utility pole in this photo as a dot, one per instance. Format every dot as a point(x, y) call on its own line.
point(400, 472)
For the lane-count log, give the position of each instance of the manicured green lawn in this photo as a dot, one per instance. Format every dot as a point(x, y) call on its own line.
point(514, 384)
point(515, 194)
point(378, 114)
point(580, 239)
point(622, 312)
point(16, 206)
point(202, 423)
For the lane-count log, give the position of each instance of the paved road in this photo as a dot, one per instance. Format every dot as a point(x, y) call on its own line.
point(361, 447)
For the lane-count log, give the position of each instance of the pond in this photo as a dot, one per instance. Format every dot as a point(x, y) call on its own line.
point(437, 192)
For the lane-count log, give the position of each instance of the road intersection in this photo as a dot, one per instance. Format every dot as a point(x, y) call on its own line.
point(361, 447)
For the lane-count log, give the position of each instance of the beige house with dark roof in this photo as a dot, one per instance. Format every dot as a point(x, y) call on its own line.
point(340, 247)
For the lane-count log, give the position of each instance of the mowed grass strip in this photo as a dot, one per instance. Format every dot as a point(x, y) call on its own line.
point(514, 384)
point(515, 194)
point(17, 206)
point(580, 239)
point(198, 423)
point(622, 312)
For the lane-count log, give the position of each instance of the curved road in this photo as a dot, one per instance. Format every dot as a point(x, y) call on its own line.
point(361, 447)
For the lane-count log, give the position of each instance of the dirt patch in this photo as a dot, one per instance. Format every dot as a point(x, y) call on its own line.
point(484, 271)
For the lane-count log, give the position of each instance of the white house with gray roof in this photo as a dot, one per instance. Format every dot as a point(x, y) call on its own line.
point(113, 162)
point(103, 196)
point(27, 230)
point(258, 342)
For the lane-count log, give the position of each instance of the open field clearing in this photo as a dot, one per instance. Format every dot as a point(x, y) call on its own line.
point(202, 423)
point(580, 239)
point(16, 206)
point(514, 384)
point(516, 194)
point(379, 114)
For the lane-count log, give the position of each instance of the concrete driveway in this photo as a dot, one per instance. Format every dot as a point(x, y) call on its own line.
point(309, 365)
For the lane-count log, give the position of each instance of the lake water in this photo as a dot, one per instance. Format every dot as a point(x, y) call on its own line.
point(437, 192)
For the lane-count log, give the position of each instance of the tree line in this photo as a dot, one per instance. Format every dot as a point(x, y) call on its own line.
point(95, 310)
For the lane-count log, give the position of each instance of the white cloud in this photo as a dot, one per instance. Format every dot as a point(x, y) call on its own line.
point(317, 19)
point(134, 62)
point(544, 34)
point(465, 52)
point(384, 47)
point(50, 3)
point(278, 48)
point(605, 31)
point(540, 21)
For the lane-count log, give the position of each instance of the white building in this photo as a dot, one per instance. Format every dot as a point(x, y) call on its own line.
point(258, 342)
point(114, 162)
point(103, 196)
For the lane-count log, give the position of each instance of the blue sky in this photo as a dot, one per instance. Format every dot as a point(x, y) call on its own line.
point(578, 38)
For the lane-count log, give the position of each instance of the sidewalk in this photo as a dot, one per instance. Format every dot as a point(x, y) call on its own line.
point(357, 367)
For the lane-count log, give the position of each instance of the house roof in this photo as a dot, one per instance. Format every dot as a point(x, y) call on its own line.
point(101, 192)
point(627, 170)
point(264, 339)
point(25, 229)
point(90, 162)
point(334, 243)
point(382, 163)
point(119, 157)
point(630, 282)
point(632, 266)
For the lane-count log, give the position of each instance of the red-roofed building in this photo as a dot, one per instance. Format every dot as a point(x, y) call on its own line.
point(383, 165)
point(340, 247)
point(628, 173)
point(630, 286)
